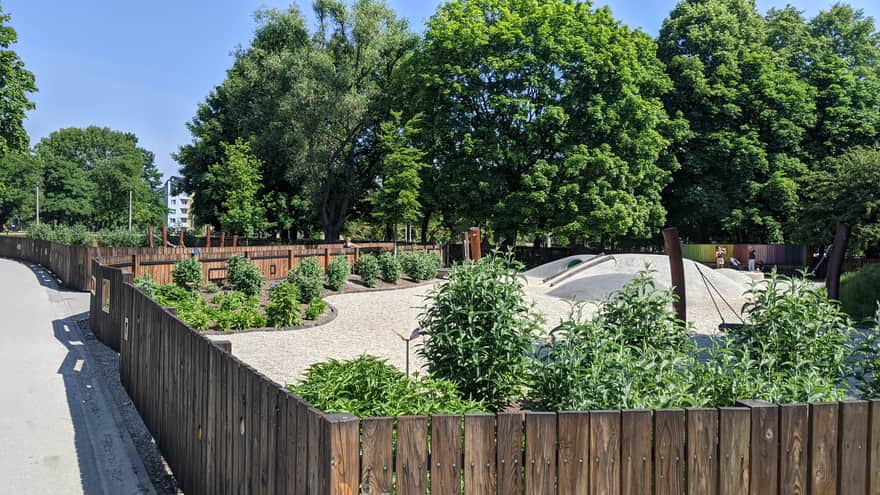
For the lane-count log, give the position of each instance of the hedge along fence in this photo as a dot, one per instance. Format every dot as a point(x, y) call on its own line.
point(73, 264)
point(226, 428)
point(770, 254)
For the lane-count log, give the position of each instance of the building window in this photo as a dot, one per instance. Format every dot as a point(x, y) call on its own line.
point(184, 210)
point(172, 211)
point(174, 201)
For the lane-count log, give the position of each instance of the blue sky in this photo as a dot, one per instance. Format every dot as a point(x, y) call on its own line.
point(143, 67)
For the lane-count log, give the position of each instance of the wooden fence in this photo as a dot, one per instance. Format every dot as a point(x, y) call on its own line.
point(73, 264)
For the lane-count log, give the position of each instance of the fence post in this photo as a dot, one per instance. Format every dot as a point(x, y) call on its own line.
point(326, 258)
point(164, 237)
point(222, 239)
point(181, 244)
point(343, 455)
point(226, 345)
point(150, 235)
point(676, 267)
point(135, 265)
point(835, 264)
point(289, 259)
point(234, 240)
point(357, 254)
point(207, 236)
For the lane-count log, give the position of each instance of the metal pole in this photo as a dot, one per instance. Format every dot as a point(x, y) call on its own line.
point(38, 205)
point(129, 208)
point(676, 267)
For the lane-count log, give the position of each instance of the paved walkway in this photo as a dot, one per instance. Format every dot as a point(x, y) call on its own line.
point(58, 433)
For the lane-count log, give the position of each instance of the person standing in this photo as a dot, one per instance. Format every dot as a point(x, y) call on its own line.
point(719, 256)
point(753, 258)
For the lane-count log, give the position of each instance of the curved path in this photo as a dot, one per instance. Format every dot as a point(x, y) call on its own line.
point(58, 432)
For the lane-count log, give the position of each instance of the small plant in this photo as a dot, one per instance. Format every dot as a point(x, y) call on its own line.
point(211, 288)
point(317, 307)
point(860, 292)
point(480, 328)
point(366, 386)
point(244, 275)
point(283, 308)
point(368, 269)
point(43, 232)
point(146, 283)
point(191, 308)
point(237, 310)
point(338, 272)
point(421, 266)
point(187, 273)
point(308, 277)
point(121, 238)
point(389, 268)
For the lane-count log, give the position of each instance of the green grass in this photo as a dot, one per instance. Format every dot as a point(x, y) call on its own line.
point(860, 291)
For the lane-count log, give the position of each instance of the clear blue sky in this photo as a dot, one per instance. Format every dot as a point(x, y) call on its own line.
point(143, 67)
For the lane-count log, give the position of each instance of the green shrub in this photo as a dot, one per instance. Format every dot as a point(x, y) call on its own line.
point(146, 283)
point(317, 307)
point(366, 386)
point(793, 348)
point(237, 310)
point(633, 353)
point(187, 273)
point(338, 272)
point(41, 232)
point(191, 308)
point(867, 360)
point(308, 277)
point(244, 275)
point(78, 235)
point(389, 268)
point(121, 238)
point(480, 328)
point(368, 269)
point(283, 309)
point(421, 266)
point(211, 288)
point(860, 292)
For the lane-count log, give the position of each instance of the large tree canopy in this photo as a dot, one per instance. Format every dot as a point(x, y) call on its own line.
point(310, 105)
point(15, 84)
point(543, 117)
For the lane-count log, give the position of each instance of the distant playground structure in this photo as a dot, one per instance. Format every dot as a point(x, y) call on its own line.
point(769, 254)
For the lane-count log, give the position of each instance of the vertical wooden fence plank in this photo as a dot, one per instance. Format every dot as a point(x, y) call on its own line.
point(510, 452)
point(734, 425)
point(412, 446)
point(445, 454)
point(765, 449)
point(605, 452)
point(377, 463)
point(540, 453)
point(669, 442)
point(315, 419)
point(344, 454)
point(853, 447)
point(303, 453)
point(702, 451)
point(292, 448)
point(823, 449)
point(793, 424)
point(279, 458)
point(874, 447)
point(574, 453)
point(636, 452)
point(479, 454)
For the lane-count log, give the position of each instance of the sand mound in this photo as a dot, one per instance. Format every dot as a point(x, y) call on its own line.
point(554, 267)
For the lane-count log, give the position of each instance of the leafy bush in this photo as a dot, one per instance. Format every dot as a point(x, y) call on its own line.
point(389, 268)
point(867, 360)
point(633, 353)
point(237, 310)
point(244, 275)
point(146, 284)
point(191, 308)
point(308, 277)
point(366, 386)
point(121, 238)
point(211, 288)
point(337, 272)
point(78, 235)
point(421, 266)
point(860, 292)
point(316, 308)
point(793, 347)
point(187, 273)
point(42, 232)
point(283, 308)
point(480, 328)
point(368, 269)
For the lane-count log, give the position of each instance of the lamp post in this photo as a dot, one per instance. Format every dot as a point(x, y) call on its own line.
point(129, 208)
point(38, 205)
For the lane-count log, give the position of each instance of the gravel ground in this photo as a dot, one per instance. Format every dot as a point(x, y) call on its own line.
point(376, 322)
point(107, 368)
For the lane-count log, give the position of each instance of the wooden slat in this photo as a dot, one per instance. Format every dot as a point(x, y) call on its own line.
point(765, 449)
point(314, 441)
point(479, 454)
point(874, 447)
point(853, 447)
point(793, 430)
point(376, 465)
point(510, 452)
point(446, 466)
point(344, 454)
point(734, 425)
point(302, 446)
point(669, 443)
point(702, 449)
point(412, 447)
point(636, 452)
point(540, 453)
point(604, 452)
point(823, 449)
point(574, 453)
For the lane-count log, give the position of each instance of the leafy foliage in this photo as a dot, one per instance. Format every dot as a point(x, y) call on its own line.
point(633, 353)
point(479, 329)
point(309, 278)
point(146, 283)
point(191, 308)
point(867, 360)
point(244, 275)
point(338, 272)
point(18, 83)
point(420, 266)
point(316, 308)
point(283, 309)
point(366, 386)
point(368, 269)
point(187, 273)
point(236, 181)
point(397, 200)
point(390, 268)
point(121, 238)
point(237, 310)
point(860, 292)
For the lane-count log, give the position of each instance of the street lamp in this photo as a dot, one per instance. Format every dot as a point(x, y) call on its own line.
point(129, 208)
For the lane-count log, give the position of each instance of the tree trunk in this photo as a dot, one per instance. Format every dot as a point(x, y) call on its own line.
point(426, 219)
point(394, 239)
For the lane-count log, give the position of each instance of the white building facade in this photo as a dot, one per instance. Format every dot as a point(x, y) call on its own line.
point(178, 204)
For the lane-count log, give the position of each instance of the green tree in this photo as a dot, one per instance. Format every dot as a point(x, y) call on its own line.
point(20, 174)
point(748, 113)
point(397, 199)
point(310, 105)
point(543, 117)
point(16, 83)
point(235, 180)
